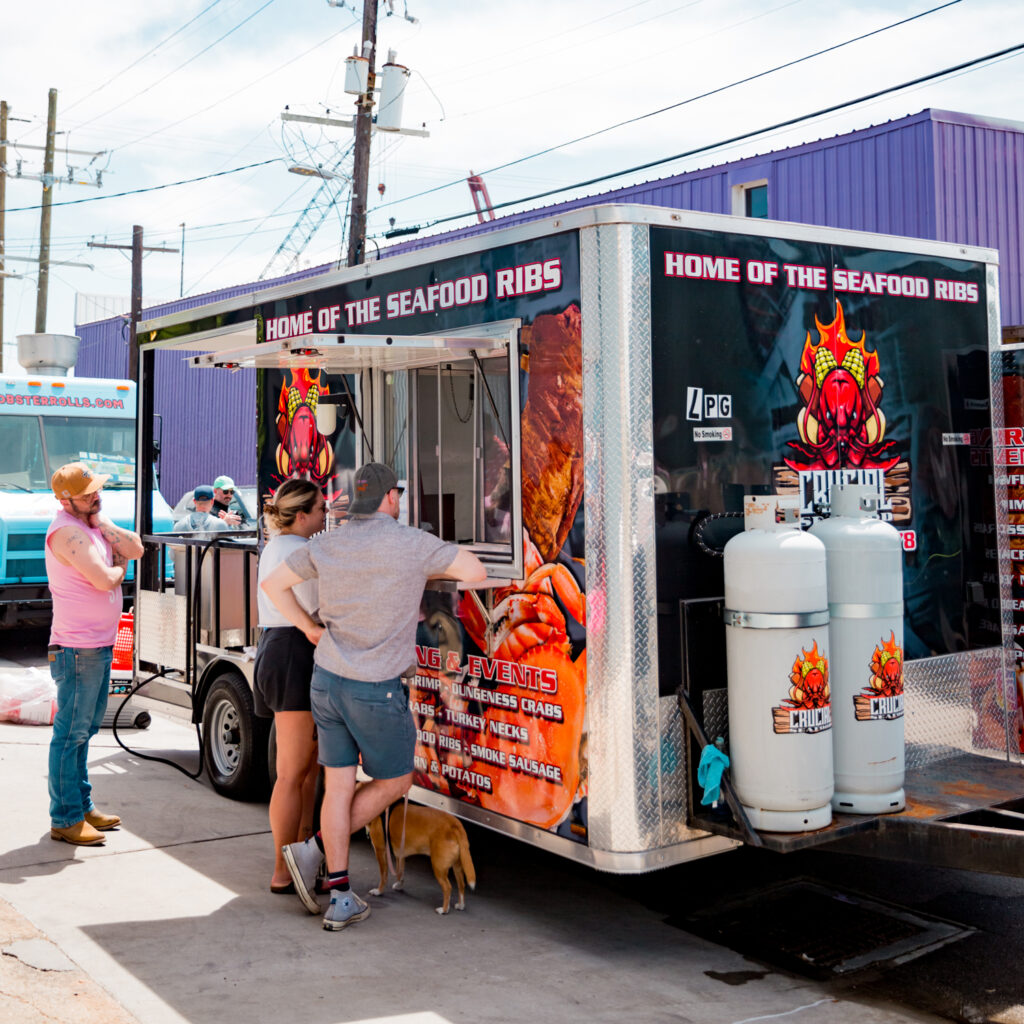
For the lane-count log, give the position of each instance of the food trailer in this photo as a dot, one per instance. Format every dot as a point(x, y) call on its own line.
point(584, 401)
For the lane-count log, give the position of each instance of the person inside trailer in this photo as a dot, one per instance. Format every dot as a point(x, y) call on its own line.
point(203, 519)
point(223, 492)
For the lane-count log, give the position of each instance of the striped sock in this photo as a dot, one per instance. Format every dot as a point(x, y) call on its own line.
point(336, 880)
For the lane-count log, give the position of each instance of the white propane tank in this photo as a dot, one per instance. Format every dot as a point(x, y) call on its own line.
point(776, 641)
point(865, 601)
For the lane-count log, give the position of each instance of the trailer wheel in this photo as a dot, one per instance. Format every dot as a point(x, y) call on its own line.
point(234, 740)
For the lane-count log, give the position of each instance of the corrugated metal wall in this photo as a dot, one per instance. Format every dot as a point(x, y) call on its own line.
point(980, 197)
point(877, 180)
point(705, 190)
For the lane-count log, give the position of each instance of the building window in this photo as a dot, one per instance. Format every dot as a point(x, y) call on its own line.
point(750, 199)
point(755, 201)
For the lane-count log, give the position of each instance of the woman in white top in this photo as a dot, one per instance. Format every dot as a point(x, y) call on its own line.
point(283, 668)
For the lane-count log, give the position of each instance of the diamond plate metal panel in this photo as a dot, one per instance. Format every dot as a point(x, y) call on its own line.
point(954, 703)
point(635, 739)
point(716, 714)
point(672, 788)
point(160, 628)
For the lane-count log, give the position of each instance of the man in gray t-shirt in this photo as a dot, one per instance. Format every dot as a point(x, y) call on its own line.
point(371, 571)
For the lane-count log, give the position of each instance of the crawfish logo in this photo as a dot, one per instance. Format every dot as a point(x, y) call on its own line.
point(882, 698)
point(302, 450)
point(808, 708)
point(840, 423)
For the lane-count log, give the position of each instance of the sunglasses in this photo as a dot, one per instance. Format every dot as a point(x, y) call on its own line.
point(227, 490)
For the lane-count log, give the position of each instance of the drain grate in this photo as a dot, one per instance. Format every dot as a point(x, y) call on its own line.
point(811, 929)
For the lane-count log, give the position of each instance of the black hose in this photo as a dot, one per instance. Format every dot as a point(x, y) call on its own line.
point(697, 531)
point(156, 675)
point(152, 757)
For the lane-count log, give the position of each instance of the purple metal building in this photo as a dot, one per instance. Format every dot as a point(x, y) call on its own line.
point(937, 174)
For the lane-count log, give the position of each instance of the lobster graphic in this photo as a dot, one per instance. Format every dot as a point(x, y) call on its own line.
point(886, 669)
point(840, 423)
point(302, 451)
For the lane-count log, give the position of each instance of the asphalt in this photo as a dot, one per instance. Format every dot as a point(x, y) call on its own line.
point(172, 921)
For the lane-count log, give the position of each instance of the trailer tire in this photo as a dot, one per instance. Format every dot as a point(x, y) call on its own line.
point(234, 740)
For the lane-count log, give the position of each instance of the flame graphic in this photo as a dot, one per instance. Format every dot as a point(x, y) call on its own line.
point(834, 338)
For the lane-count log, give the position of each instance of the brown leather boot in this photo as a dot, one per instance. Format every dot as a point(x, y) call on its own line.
point(102, 822)
point(79, 834)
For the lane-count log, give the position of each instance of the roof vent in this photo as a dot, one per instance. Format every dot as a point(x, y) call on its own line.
point(50, 355)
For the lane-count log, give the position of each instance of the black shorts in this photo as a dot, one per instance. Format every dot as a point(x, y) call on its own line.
point(283, 669)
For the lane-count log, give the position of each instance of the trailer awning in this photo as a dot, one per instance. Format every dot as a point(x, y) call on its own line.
point(341, 353)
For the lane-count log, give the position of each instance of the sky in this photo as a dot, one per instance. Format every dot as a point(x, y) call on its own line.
point(155, 94)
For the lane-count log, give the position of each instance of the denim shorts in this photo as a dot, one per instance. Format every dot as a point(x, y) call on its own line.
point(354, 717)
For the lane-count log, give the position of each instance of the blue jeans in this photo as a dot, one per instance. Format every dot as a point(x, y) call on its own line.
point(82, 675)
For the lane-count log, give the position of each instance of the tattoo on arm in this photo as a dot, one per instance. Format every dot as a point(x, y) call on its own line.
point(117, 537)
point(112, 534)
point(73, 541)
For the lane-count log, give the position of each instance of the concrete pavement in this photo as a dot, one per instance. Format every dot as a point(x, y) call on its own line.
point(172, 921)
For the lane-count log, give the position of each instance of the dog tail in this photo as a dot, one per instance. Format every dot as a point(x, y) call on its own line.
point(464, 857)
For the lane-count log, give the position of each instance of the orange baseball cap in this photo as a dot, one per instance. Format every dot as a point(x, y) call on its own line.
point(76, 479)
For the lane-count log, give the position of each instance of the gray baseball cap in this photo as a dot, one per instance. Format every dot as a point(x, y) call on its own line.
point(373, 481)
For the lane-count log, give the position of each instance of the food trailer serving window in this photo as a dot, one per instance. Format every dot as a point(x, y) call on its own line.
point(464, 449)
point(444, 411)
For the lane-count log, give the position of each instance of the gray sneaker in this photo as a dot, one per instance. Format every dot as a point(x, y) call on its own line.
point(303, 861)
point(346, 908)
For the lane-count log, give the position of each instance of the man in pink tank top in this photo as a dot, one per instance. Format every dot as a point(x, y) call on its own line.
point(86, 560)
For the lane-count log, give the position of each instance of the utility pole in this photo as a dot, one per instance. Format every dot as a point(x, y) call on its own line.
point(45, 217)
point(3, 207)
point(137, 249)
point(363, 134)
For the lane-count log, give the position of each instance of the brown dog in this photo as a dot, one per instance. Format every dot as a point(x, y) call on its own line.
point(427, 831)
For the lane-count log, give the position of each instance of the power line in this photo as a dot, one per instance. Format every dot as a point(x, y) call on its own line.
point(739, 138)
point(673, 106)
point(151, 188)
point(224, 99)
point(139, 60)
point(174, 71)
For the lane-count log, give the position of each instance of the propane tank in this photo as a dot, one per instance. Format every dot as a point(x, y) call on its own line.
point(865, 601)
point(776, 637)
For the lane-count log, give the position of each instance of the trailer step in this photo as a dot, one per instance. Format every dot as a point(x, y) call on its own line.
point(966, 812)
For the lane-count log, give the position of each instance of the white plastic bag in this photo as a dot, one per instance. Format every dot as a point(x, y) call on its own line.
point(27, 696)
